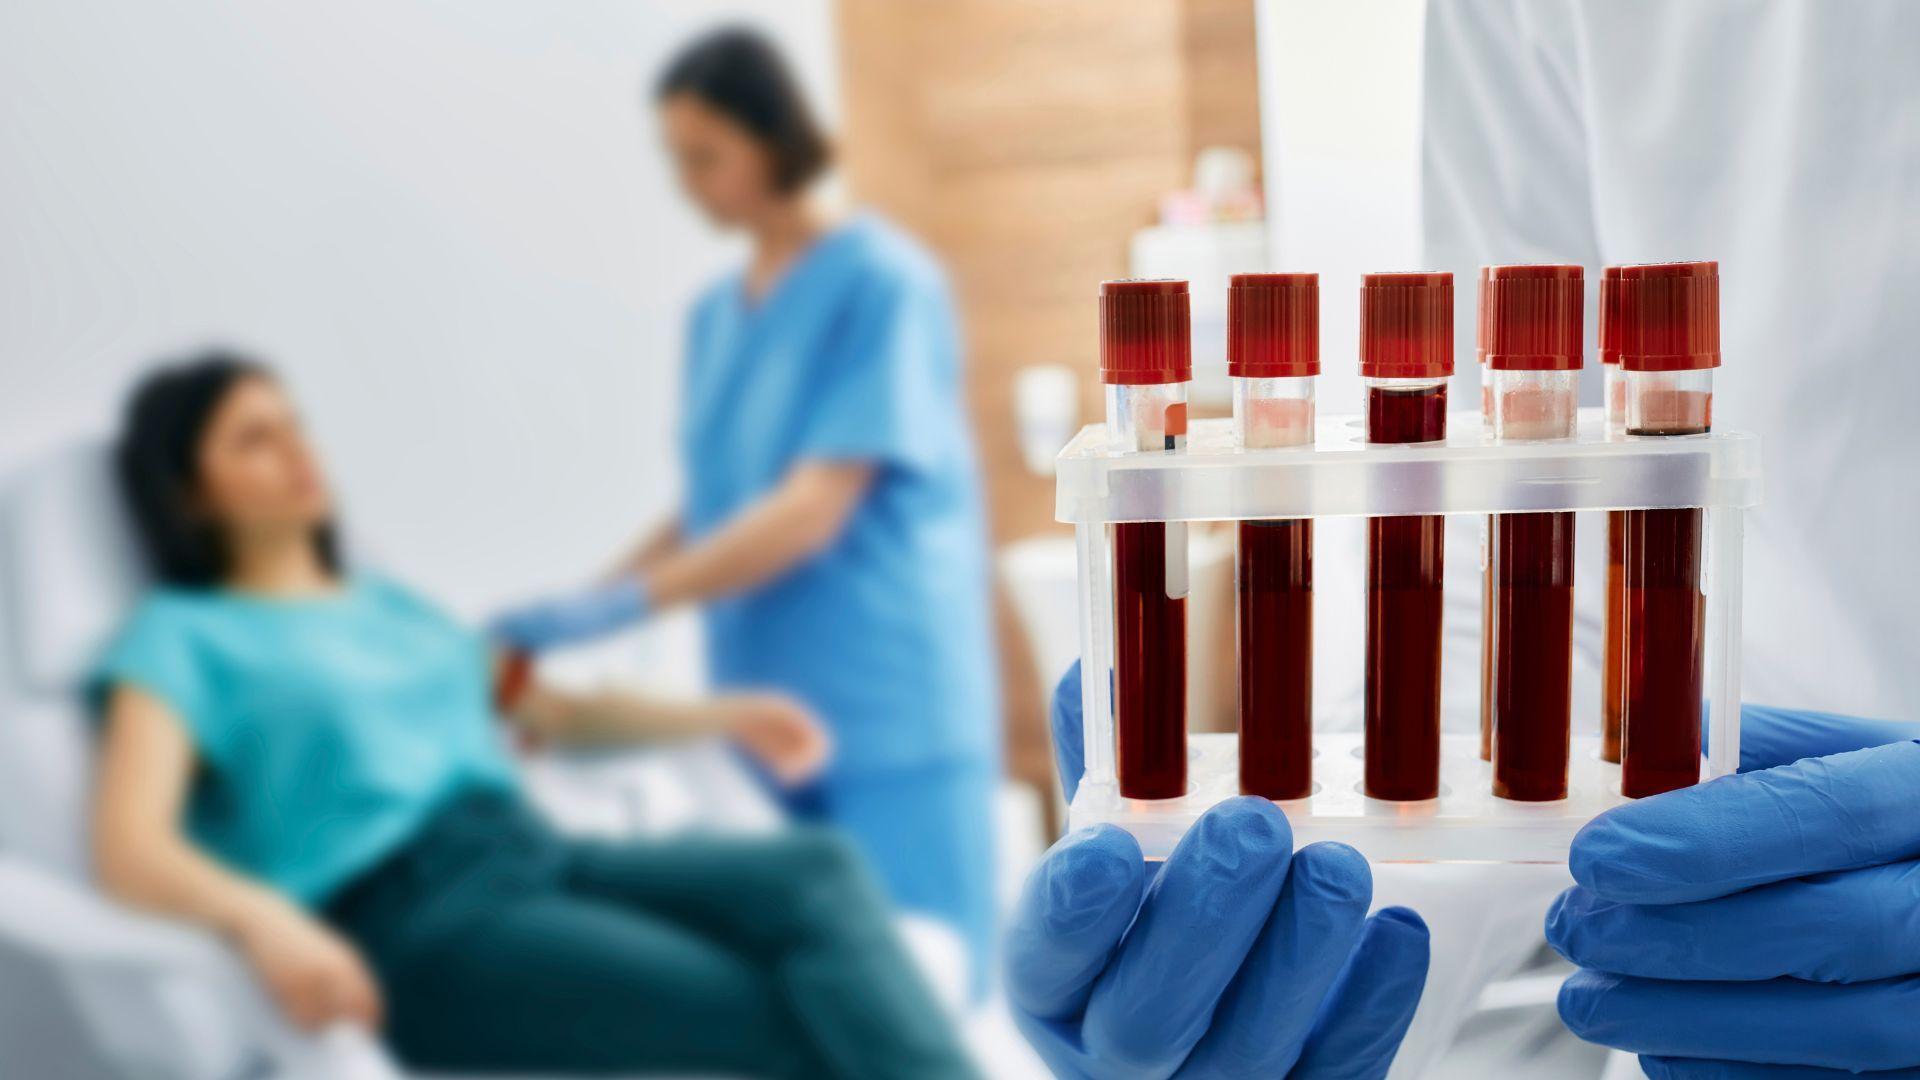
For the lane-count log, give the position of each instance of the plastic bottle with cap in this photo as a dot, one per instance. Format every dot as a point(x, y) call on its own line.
point(1273, 355)
point(1146, 364)
point(1615, 389)
point(1534, 349)
point(1669, 341)
point(1406, 357)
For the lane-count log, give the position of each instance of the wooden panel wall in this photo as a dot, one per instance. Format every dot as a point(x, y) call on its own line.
point(1026, 142)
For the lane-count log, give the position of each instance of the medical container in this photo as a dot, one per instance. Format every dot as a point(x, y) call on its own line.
point(1614, 399)
point(1406, 356)
point(1669, 338)
point(1146, 364)
point(1273, 355)
point(1533, 358)
point(1133, 486)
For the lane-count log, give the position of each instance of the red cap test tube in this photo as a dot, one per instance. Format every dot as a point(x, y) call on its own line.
point(1669, 343)
point(1534, 350)
point(1273, 355)
point(1146, 363)
point(1406, 356)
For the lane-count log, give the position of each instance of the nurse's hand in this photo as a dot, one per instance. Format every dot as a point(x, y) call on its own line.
point(595, 611)
point(1760, 925)
point(1240, 957)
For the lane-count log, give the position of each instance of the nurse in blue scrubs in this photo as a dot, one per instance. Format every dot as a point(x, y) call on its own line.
point(833, 529)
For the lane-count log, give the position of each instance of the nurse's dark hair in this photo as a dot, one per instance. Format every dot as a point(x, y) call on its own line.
point(739, 74)
point(156, 462)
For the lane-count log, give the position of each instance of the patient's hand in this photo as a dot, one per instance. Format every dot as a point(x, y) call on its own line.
point(316, 976)
point(779, 731)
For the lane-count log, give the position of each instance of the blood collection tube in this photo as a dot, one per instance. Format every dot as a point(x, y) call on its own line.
point(1486, 580)
point(1146, 363)
point(1534, 347)
point(1669, 338)
point(1406, 356)
point(1615, 389)
point(1273, 354)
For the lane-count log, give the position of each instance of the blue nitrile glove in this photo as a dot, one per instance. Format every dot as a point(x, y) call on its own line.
point(1762, 925)
point(1241, 957)
point(592, 612)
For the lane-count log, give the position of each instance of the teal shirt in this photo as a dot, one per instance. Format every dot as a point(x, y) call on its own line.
point(327, 730)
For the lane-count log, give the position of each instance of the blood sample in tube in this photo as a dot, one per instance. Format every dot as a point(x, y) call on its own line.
point(1669, 346)
point(1150, 666)
point(1533, 360)
point(1273, 354)
point(1614, 389)
point(1406, 355)
point(1145, 361)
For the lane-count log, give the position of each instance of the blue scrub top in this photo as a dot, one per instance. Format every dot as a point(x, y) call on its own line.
point(327, 730)
point(854, 355)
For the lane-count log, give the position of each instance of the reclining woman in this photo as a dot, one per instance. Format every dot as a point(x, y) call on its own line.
point(308, 760)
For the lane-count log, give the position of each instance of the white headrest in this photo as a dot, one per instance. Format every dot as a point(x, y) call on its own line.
point(71, 567)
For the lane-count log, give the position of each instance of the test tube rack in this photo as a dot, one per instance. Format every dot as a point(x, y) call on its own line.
point(1340, 475)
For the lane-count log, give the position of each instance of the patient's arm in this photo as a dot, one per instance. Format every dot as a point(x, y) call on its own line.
point(790, 524)
point(777, 730)
point(145, 859)
point(665, 539)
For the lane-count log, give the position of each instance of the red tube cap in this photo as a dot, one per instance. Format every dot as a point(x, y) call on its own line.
point(1406, 326)
point(1670, 316)
point(1610, 315)
point(1145, 336)
point(1273, 326)
point(1534, 318)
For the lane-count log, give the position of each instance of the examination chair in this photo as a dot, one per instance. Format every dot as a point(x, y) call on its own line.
point(89, 988)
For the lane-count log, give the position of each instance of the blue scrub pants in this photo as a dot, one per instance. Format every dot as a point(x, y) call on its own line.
point(929, 833)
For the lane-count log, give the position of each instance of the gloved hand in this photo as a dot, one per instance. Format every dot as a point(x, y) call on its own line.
point(1241, 957)
point(595, 611)
point(1762, 925)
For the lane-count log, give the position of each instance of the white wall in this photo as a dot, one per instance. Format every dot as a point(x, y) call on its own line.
point(1340, 150)
point(445, 220)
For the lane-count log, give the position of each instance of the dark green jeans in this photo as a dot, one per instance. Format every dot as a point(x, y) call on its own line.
point(504, 947)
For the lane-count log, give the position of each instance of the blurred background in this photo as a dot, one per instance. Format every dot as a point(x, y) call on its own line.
point(452, 226)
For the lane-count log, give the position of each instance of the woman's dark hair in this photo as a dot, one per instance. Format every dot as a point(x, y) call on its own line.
point(156, 461)
point(739, 74)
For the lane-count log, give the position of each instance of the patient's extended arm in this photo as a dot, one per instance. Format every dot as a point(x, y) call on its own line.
point(775, 729)
point(792, 523)
point(144, 859)
point(665, 539)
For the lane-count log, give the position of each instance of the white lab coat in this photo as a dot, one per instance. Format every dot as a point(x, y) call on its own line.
point(1782, 139)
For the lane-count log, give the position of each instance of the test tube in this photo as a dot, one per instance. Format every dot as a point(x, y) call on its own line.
point(1486, 580)
point(1534, 349)
point(1273, 354)
point(1669, 338)
point(1146, 363)
point(1406, 356)
point(1615, 389)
